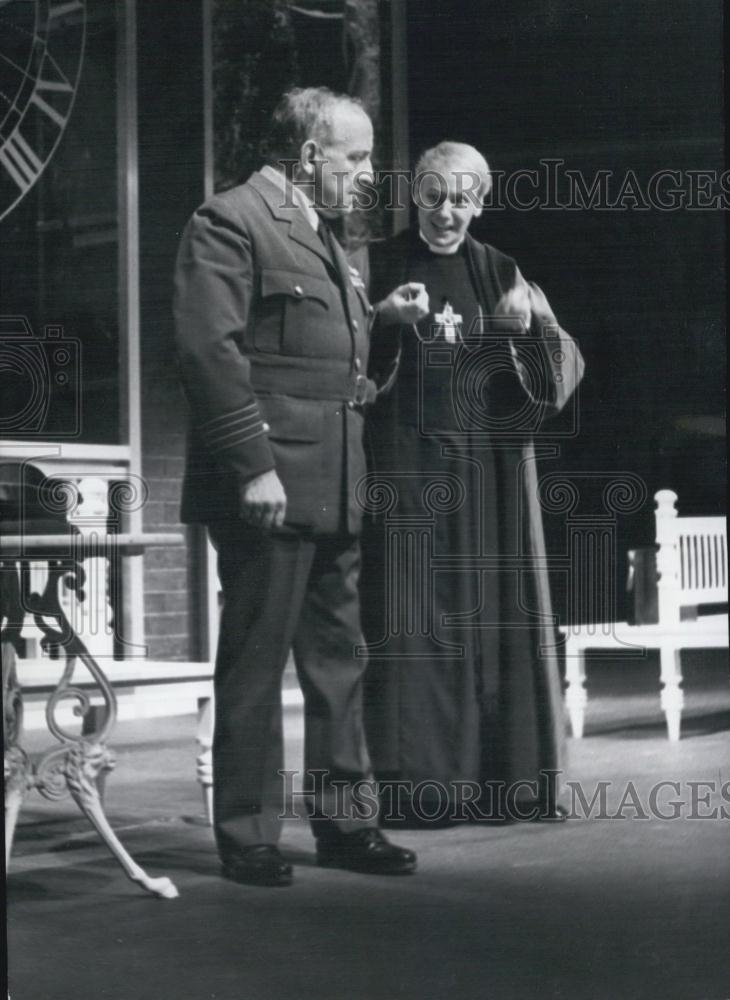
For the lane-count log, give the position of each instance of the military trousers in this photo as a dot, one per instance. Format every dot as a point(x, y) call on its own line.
point(286, 590)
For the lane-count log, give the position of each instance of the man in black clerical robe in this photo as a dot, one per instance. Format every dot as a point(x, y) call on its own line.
point(463, 683)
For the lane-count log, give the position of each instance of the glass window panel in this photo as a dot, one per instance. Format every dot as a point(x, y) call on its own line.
point(59, 240)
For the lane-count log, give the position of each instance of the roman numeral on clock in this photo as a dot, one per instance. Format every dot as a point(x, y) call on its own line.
point(20, 161)
point(52, 78)
point(39, 88)
point(46, 108)
point(61, 9)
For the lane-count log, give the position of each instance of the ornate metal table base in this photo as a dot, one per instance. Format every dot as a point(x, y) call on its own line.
point(76, 766)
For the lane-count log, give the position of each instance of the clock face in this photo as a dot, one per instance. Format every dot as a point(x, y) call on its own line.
point(41, 52)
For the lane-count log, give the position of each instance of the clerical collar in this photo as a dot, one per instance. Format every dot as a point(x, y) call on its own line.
point(442, 251)
point(297, 193)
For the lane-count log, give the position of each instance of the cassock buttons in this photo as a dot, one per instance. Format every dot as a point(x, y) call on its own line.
point(298, 290)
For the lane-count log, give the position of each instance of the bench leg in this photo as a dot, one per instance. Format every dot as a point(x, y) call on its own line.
point(204, 761)
point(672, 695)
point(575, 695)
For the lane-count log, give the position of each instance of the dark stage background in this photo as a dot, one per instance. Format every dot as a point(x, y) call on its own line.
point(614, 86)
point(618, 87)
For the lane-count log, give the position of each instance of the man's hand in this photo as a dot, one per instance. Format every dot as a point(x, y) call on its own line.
point(516, 303)
point(406, 304)
point(263, 501)
point(542, 313)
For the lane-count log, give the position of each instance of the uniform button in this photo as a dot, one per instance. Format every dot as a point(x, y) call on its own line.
point(358, 364)
point(371, 310)
point(265, 427)
point(354, 325)
point(350, 405)
point(298, 290)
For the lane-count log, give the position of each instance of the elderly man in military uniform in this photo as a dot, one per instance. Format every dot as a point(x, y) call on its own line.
point(272, 336)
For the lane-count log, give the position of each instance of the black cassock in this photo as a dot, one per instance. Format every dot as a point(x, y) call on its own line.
point(463, 682)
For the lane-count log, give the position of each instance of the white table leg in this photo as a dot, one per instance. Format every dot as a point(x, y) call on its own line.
point(576, 697)
point(204, 761)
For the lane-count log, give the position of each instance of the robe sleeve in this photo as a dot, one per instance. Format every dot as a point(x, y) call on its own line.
point(548, 361)
point(212, 302)
point(385, 353)
point(385, 339)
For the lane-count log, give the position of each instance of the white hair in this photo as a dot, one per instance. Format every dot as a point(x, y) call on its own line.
point(454, 157)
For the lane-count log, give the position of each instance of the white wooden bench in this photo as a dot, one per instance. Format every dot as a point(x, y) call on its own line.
point(692, 570)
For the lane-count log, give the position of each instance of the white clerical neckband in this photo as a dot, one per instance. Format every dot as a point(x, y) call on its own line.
point(443, 251)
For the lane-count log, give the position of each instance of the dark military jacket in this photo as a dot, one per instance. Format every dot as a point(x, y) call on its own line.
point(272, 334)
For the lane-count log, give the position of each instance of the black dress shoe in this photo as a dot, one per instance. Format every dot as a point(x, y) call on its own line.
point(367, 851)
point(261, 864)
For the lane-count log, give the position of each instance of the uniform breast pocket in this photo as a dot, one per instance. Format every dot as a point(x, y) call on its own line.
point(293, 313)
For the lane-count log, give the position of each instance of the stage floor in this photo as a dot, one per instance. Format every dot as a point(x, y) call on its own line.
point(593, 909)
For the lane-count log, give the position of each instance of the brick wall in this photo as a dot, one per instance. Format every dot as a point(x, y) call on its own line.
point(170, 129)
point(169, 573)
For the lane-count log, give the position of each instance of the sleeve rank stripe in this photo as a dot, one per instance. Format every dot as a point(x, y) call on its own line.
point(223, 421)
point(243, 424)
point(242, 437)
point(220, 440)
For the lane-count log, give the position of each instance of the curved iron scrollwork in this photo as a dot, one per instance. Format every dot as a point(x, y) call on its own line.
point(49, 774)
point(59, 636)
point(81, 757)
